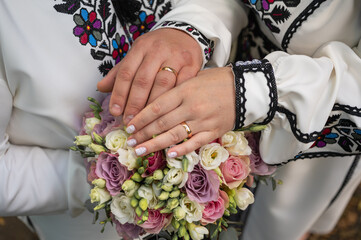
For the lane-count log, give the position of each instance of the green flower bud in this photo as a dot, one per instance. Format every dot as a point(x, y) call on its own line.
point(174, 194)
point(158, 174)
point(233, 210)
point(100, 182)
point(149, 180)
point(100, 206)
point(128, 185)
point(175, 223)
point(179, 213)
point(83, 140)
point(143, 204)
point(145, 163)
point(136, 177)
point(175, 237)
point(167, 187)
point(165, 210)
point(164, 195)
point(185, 163)
point(98, 139)
point(257, 128)
point(172, 203)
point(159, 205)
point(144, 217)
point(140, 222)
point(139, 161)
point(186, 236)
point(96, 148)
point(218, 171)
point(165, 171)
point(136, 195)
point(134, 202)
point(183, 222)
point(226, 213)
point(141, 170)
point(182, 195)
point(182, 231)
point(138, 211)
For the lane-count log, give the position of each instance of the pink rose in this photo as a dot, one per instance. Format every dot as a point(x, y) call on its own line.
point(235, 170)
point(157, 161)
point(156, 221)
point(225, 197)
point(109, 168)
point(258, 166)
point(213, 211)
point(202, 185)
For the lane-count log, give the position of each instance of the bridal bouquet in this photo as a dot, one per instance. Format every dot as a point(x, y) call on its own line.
point(154, 193)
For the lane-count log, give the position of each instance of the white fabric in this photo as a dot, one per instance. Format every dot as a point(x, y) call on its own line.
point(46, 76)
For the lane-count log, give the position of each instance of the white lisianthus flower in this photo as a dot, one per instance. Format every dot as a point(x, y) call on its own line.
point(128, 158)
point(197, 232)
point(212, 155)
point(99, 195)
point(122, 209)
point(193, 159)
point(236, 143)
point(193, 210)
point(90, 123)
point(130, 193)
point(243, 198)
point(176, 176)
point(146, 192)
point(116, 139)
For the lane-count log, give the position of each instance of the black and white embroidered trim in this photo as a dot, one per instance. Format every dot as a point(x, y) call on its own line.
point(206, 44)
point(298, 22)
point(302, 137)
point(253, 66)
point(347, 109)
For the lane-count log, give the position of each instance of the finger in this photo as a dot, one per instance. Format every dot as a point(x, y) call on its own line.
point(141, 86)
point(192, 144)
point(164, 80)
point(161, 125)
point(154, 110)
point(169, 138)
point(187, 73)
point(107, 83)
point(123, 80)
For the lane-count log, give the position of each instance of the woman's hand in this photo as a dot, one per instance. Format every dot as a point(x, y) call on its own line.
point(206, 103)
point(137, 79)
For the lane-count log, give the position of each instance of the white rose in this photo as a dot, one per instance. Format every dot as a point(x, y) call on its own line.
point(116, 139)
point(90, 123)
point(100, 195)
point(212, 155)
point(197, 232)
point(243, 198)
point(241, 145)
point(122, 209)
point(193, 210)
point(176, 176)
point(193, 159)
point(229, 139)
point(128, 158)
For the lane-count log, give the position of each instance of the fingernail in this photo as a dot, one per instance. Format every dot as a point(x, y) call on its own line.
point(140, 151)
point(130, 129)
point(172, 154)
point(131, 142)
point(116, 109)
point(128, 118)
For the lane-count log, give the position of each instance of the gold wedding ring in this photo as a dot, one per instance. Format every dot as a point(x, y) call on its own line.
point(169, 69)
point(187, 128)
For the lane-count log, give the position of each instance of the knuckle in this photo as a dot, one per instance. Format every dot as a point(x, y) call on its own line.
point(142, 82)
point(155, 108)
point(164, 82)
point(161, 124)
point(175, 138)
point(125, 74)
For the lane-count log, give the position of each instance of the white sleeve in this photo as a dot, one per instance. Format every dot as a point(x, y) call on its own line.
point(312, 104)
point(218, 21)
point(33, 180)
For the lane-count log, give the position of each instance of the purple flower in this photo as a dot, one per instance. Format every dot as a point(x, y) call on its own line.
point(109, 168)
point(127, 231)
point(258, 166)
point(202, 185)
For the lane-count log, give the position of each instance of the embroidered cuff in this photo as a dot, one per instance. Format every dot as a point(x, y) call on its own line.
point(254, 94)
point(206, 45)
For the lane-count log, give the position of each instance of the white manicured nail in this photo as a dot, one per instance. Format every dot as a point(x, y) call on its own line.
point(140, 151)
point(172, 154)
point(131, 142)
point(130, 129)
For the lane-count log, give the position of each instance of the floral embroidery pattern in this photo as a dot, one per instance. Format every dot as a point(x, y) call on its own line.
point(110, 36)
